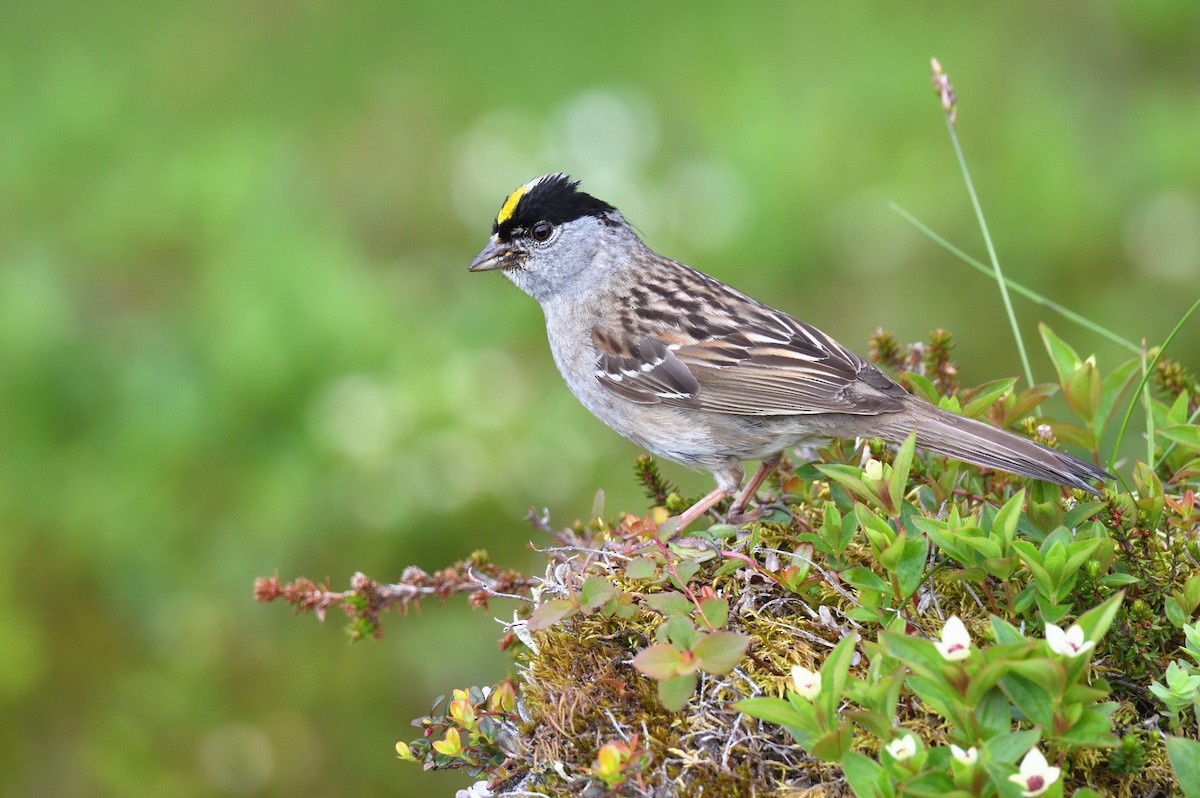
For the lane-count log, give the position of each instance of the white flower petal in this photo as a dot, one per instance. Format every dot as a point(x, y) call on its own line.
point(902, 748)
point(956, 640)
point(1069, 643)
point(1036, 774)
point(968, 757)
point(805, 682)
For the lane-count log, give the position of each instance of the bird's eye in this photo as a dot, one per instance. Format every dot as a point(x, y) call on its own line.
point(541, 231)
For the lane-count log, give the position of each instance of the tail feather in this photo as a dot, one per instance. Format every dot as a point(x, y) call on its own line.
point(984, 445)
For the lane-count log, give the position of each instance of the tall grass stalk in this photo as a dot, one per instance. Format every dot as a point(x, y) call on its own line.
point(987, 239)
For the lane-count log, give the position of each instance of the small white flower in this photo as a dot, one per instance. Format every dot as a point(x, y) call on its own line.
point(968, 757)
point(477, 790)
point(873, 469)
point(1069, 643)
point(956, 641)
point(902, 748)
point(1036, 774)
point(805, 682)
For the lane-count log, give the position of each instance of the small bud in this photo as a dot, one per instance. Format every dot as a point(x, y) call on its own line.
point(945, 90)
point(873, 470)
point(805, 682)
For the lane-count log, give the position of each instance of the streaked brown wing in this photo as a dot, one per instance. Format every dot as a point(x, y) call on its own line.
point(646, 371)
point(770, 365)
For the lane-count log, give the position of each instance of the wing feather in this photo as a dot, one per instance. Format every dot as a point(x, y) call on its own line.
point(771, 364)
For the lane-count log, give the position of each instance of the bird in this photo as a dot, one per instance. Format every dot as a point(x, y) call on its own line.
point(698, 373)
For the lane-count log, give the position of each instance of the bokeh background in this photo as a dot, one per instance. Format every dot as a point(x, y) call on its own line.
point(237, 333)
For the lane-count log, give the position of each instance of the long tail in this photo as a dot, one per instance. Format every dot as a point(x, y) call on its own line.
point(978, 443)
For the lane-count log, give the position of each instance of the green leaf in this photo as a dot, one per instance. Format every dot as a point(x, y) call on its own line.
point(1115, 384)
point(716, 610)
point(551, 612)
point(1025, 402)
point(1033, 561)
point(834, 673)
point(1045, 508)
point(1085, 693)
point(1082, 392)
point(686, 569)
point(989, 548)
point(932, 785)
point(1005, 523)
point(863, 615)
point(640, 568)
point(866, 777)
point(1032, 700)
point(986, 396)
point(1185, 435)
point(775, 710)
point(719, 651)
point(1119, 579)
point(1049, 674)
point(659, 661)
point(669, 603)
point(876, 529)
point(864, 578)
point(1191, 593)
point(900, 469)
point(596, 592)
point(1011, 746)
point(849, 478)
point(924, 385)
point(1005, 632)
point(833, 745)
point(978, 575)
point(1093, 729)
point(993, 713)
point(1095, 622)
point(985, 679)
point(875, 723)
point(674, 693)
point(1080, 552)
point(1185, 761)
point(1080, 513)
point(836, 530)
point(946, 538)
point(1073, 434)
point(935, 692)
point(911, 569)
point(681, 632)
point(1066, 361)
point(920, 655)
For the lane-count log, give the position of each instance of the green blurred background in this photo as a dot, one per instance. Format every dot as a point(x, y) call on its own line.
point(237, 333)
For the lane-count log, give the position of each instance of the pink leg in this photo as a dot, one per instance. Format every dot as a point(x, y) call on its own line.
point(756, 481)
point(700, 508)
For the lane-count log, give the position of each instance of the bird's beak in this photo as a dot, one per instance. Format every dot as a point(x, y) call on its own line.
point(496, 255)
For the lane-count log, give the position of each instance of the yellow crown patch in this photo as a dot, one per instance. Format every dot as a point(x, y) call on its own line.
point(510, 205)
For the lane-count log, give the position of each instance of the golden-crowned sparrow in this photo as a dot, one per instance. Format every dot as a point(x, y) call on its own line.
point(701, 374)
